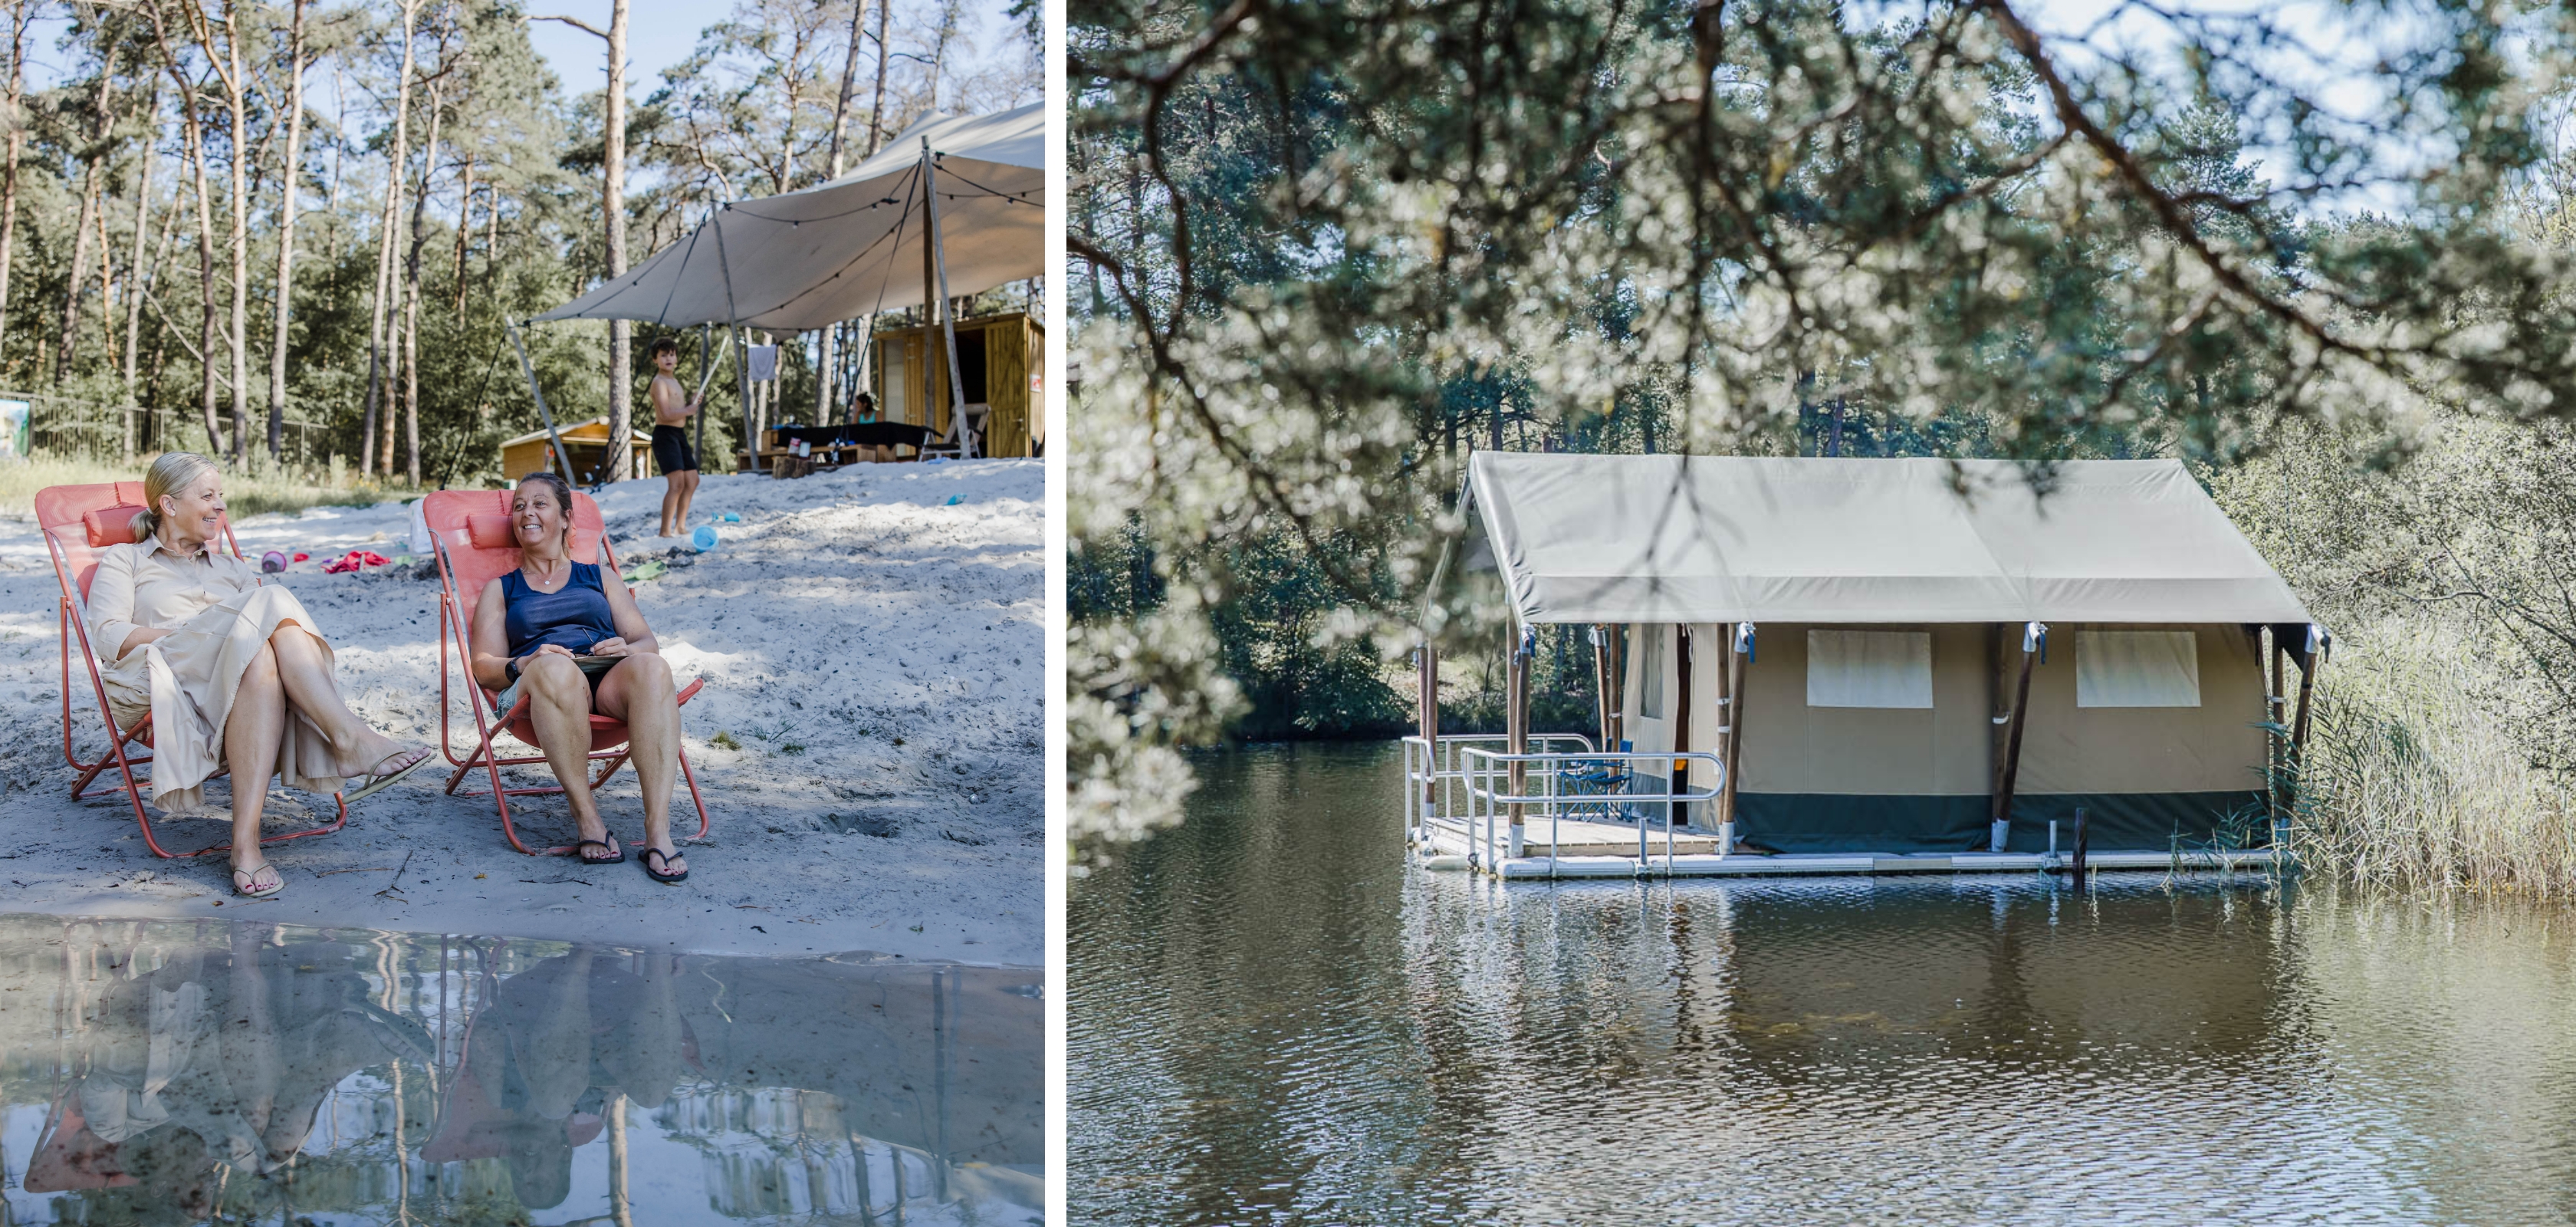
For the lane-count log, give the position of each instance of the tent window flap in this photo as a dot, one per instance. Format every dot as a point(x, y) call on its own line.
point(2137, 669)
point(1869, 669)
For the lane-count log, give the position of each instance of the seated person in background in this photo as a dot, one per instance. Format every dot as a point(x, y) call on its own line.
point(557, 633)
point(864, 409)
point(232, 669)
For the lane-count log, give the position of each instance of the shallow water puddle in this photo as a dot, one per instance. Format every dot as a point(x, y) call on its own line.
point(184, 1071)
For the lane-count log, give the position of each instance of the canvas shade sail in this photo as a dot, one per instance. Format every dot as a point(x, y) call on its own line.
point(811, 258)
point(1703, 539)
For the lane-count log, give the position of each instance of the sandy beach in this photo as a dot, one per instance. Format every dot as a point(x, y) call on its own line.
point(869, 740)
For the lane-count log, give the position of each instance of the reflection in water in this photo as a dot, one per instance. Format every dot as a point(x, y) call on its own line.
point(1273, 1018)
point(182, 1071)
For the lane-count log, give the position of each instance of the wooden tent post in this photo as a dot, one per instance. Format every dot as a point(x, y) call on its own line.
point(1681, 717)
point(1427, 713)
point(1516, 727)
point(2034, 637)
point(1601, 684)
point(2311, 657)
point(1615, 638)
point(934, 262)
point(538, 395)
point(1738, 660)
point(2275, 746)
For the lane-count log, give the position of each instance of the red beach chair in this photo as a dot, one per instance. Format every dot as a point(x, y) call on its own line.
point(475, 547)
point(79, 521)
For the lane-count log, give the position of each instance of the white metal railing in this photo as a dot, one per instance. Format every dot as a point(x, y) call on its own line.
point(1435, 776)
point(1470, 782)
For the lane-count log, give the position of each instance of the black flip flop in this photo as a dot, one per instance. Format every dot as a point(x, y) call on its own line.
point(618, 859)
point(657, 875)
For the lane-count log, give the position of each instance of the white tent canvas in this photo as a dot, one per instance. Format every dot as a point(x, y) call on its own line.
point(811, 258)
point(1692, 539)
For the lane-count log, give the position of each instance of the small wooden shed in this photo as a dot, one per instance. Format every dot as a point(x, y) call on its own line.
point(586, 445)
point(1001, 362)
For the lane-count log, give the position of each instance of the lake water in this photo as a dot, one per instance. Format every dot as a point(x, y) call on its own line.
point(1275, 1020)
point(188, 1071)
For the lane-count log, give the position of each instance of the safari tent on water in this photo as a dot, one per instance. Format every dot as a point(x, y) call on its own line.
point(1838, 664)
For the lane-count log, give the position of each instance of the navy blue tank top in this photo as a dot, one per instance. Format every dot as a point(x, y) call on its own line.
point(577, 616)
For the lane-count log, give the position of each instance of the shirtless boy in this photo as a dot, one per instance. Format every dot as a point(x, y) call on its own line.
point(671, 451)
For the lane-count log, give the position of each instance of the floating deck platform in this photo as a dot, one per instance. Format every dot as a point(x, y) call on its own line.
point(1609, 850)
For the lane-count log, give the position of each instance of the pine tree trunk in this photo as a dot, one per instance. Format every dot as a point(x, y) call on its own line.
point(138, 275)
point(411, 296)
point(621, 373)
point(18, 19)
point(876, 108)
point(292, 189)
point(91, 190)
point(464, 228)
point(378, 393)
point(239, 334)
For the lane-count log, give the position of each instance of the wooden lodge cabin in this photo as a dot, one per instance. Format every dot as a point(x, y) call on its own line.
point(1001, 362)
point(586, 445)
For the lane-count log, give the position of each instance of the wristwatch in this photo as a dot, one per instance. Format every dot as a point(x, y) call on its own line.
point(510, 669)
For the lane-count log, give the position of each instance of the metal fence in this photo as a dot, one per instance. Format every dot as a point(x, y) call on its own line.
point(72, 426)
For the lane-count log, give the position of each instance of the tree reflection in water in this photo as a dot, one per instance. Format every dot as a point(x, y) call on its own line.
point(179, 1071)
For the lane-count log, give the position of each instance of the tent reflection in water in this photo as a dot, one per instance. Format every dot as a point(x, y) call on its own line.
point(1832, 665)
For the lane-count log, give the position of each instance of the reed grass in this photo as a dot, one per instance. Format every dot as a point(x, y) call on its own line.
point(249, 490)
point(2419, 781)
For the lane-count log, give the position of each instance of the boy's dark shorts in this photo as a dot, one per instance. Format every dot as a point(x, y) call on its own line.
point(671, 450)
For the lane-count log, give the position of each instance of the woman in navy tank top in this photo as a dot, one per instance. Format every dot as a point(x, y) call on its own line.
point(557, 636)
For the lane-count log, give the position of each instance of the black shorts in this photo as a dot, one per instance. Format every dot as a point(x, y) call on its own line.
point(671, 450)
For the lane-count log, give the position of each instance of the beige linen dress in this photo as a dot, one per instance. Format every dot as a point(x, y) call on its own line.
point(221, 614)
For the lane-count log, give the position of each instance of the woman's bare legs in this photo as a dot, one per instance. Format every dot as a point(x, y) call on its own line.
point(303, 667)
point(559, 705)
point(639, 692)
point(253, 731)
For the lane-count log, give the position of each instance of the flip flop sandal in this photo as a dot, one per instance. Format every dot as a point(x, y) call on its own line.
point(378, 783)
point(616, 855)
point(657, 875)
point(242, 876)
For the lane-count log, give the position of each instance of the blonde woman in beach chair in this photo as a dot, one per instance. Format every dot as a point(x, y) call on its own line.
point(231, 671)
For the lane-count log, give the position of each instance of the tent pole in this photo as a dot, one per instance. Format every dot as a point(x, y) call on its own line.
point(705, 373)
point(742, 379)
point(1681, 719)
point(1601, 681)
point(2033, 636)
point(1736, 661)
point(1516, 726)
point(2275, 711)
point(1427, 714)
point(935, 257)
point(2311, 659)
point(1615, 640)
point(529, 369)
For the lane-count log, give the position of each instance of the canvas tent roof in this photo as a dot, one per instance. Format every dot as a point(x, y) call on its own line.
point(837, 250)
point(1630, 539)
